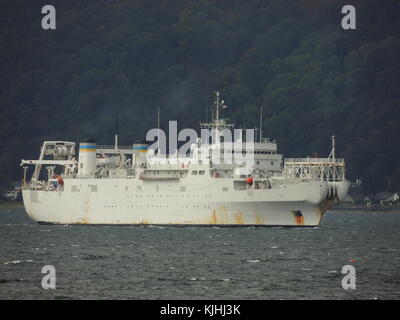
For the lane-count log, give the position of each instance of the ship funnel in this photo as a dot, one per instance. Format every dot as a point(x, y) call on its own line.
point(140, 148)
point(87, 158)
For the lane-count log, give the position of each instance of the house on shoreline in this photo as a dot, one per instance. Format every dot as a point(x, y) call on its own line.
point(387, 198)
point(10, 191)
point(355, 199)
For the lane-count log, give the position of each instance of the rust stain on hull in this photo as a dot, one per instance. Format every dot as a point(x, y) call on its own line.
point(300, 221)
point(239, 218)
point(83, 221)
point(213, 218)
point(298, 218)
point(259, 219)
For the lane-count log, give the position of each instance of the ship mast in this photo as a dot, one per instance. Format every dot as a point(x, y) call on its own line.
point(116, 129)
point(332, 154)
point(217, 105)
point(216, 124)
point(261, 119)
point(158, 130)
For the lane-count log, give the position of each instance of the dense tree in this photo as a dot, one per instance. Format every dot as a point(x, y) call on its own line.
point(312, 78)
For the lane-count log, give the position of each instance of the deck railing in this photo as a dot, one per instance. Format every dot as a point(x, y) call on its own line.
point(323, 169)
point(315, 160)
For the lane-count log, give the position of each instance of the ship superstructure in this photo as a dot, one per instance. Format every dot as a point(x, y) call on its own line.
point(237, 182)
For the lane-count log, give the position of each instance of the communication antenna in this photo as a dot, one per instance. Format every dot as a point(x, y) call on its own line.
point(158, 116)
point(158, 129)
point(332, 154)
point(212, 114)
point(261, 119)
point(244, 129)
point(217, 102)
point(116, 128)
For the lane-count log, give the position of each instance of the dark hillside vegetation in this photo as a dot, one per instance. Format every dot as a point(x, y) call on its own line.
point(312, 78)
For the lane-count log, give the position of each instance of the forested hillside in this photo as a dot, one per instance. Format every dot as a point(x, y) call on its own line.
point(292, 57)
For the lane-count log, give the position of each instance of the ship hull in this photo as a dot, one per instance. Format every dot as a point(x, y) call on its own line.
point(133, 202)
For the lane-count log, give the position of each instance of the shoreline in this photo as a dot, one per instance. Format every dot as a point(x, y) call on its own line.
point(11, 204)
point(341, 209)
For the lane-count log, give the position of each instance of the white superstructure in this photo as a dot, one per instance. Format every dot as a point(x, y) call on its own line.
point(135, 185)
